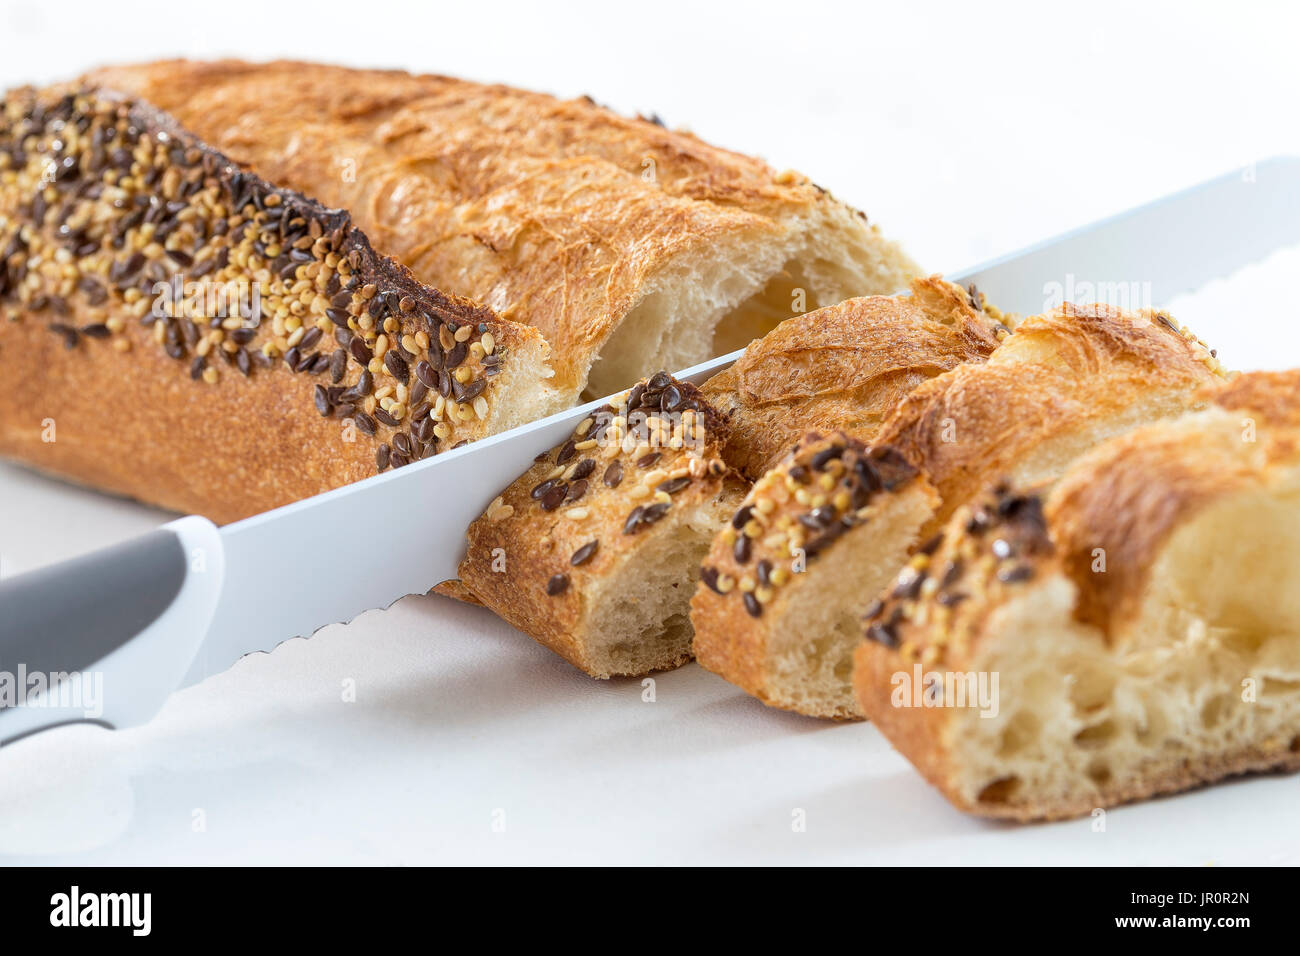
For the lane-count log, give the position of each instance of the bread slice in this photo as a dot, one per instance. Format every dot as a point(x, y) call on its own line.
point(1056, 386)
point(766, 623)
point(629, 246)
point(845, 368)
point(176, 329)
point(595, 550)
point(1142, 621)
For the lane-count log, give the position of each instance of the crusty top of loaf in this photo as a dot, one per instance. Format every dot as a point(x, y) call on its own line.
point(1057, 377)
point(846, 367)
point(1270, 397)
point(1124, 500)
point(541, 208)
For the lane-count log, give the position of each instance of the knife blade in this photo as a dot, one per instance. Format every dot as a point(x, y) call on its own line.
point(1158, 251)
point(253, 584)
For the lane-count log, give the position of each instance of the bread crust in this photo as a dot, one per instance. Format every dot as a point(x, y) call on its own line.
point(559, 214)
point(1125, 500)
point(131, 410)
point(845, 367)
point(524, 558)
point(1058, 377)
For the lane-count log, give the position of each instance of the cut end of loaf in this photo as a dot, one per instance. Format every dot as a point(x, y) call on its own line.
point(639, 618)
point(1105, 656)
point(762, 620)
point(595, 550)
point(818, 624)
point(1204, 684)
point(713, 301)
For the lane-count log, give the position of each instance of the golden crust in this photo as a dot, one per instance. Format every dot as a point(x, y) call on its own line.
point(1123, 500)
point(457, 591)
point(823, 490)
point(611, 483)
point(1269, 397)
point(540, 208)
point(131, 409)
point(845, 368)
point(1058, 376)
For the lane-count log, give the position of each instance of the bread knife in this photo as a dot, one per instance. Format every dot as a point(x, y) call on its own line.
point(185, 601)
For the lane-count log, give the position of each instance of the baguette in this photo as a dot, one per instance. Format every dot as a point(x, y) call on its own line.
point(594, 551)
point(1142, 620)
point(629, 246)
point(294, 360)
point(1056, 386)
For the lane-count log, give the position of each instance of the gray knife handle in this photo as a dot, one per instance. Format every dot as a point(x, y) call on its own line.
point(107, 636)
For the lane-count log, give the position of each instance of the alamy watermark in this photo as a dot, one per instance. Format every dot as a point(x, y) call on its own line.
point(63, 690)
point(1131, 296)
point(921, 688)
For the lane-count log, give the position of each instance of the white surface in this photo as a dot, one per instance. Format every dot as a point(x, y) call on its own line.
point(966, 131)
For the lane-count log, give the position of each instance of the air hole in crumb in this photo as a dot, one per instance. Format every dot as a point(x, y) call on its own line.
point(1154, 726)
point(1098, 735)
point(1099, 773)
point(1214, 710)
point(1272, 685)
point(1000, 791)
point(1243, 642)
point(1021, 730)
point(1090, 690)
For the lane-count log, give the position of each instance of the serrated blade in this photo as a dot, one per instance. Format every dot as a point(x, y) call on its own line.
point(324, 560)
point(327, 559)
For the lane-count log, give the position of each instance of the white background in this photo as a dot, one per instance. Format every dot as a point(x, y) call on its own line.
point(966, 131)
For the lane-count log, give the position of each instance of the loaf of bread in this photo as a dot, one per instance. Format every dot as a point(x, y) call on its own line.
point(179, 330)
point(594, 551)
point(845, 368)
point(1135, 631)
point(630, 246)
point(1056, 386)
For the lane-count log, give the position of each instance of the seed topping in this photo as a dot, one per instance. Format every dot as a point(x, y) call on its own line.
point(100, 208)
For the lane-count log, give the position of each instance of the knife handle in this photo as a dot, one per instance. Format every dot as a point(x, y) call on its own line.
point(105, 637)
